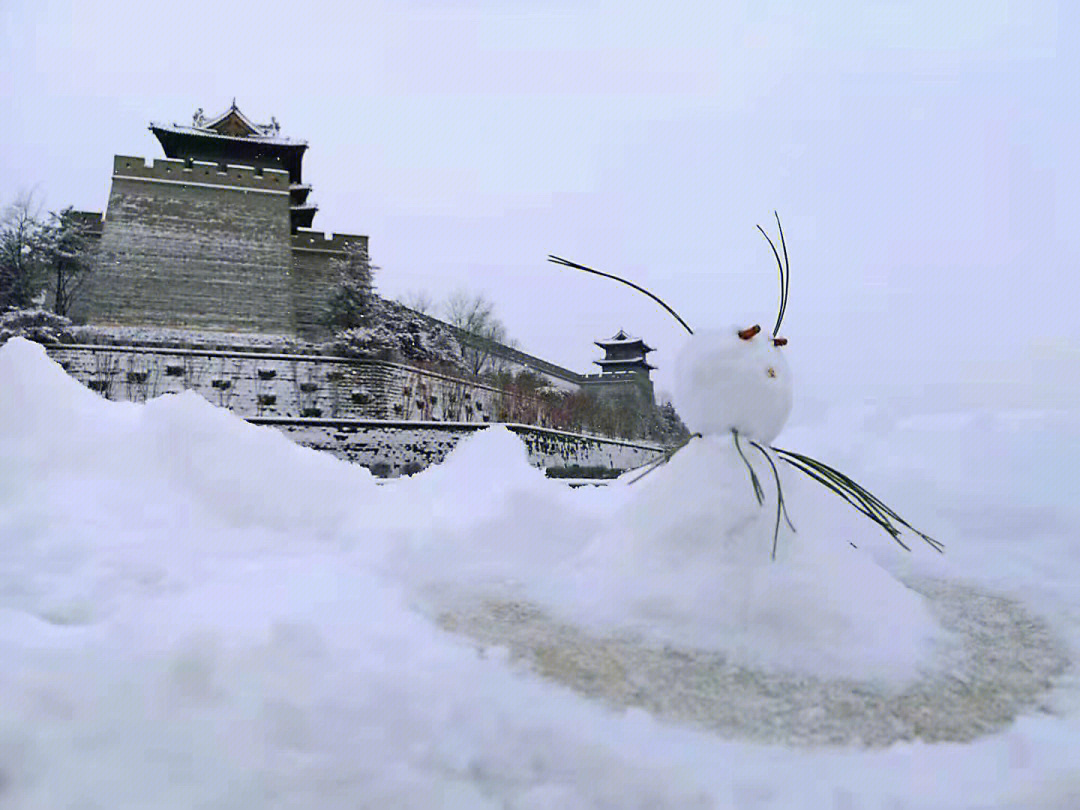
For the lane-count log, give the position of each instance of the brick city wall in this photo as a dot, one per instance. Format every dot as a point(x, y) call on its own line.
point(391, 417)
point(314, 277)
point(194, 247)
point(271, 384)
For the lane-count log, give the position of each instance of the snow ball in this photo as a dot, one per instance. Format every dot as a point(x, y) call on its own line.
point(724, 382)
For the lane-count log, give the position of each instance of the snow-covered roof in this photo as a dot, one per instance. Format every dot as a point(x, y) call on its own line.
point(623, 338)
point(234, 112)
point(209, 133)
point(231, 124)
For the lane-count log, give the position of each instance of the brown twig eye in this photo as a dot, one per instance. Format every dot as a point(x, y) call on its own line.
point(746, 334)
point(779, 342)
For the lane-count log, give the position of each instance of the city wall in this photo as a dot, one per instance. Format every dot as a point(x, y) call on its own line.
point(314, 277)
point(368, 411)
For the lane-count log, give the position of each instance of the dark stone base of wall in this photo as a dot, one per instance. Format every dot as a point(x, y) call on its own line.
point(390, 449)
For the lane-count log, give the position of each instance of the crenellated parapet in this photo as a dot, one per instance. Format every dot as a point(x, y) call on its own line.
point(306, 239)
point(198, 172)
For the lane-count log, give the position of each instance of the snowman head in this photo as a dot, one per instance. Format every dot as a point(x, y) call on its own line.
point(737, 379)
point(734, 379)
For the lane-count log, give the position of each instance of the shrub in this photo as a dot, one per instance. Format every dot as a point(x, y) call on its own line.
point(38, 325)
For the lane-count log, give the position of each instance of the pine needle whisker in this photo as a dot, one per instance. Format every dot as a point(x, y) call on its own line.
point(783, 275)
point(780, 508)
point(657, 299)
point(870, 505)
point(759, 493)
point(786, 275)
point(856, 505)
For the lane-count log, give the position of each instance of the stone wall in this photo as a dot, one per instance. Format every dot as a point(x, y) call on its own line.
point(391, 449)
point(384, 415)
point(272, 384)
point(630, 388)
point(314, 277)
point(193, 246)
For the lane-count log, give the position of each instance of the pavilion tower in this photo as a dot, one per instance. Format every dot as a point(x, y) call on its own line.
point(214, 236)
point(231, 138)
point(624, 353)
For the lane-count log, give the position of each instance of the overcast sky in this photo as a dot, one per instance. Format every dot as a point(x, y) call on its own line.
point(924, 158)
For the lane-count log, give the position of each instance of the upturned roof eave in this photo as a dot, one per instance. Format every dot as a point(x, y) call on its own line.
point(603, 344)
point(632, 361)
point(198, 132)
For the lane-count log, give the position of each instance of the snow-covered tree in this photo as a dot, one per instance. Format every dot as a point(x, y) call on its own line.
point(394, 332)
point(38, 325)
point(63, 253)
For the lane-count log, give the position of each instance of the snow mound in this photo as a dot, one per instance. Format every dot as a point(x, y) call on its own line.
point(37, 394)
point(688, 562)
point(724, 382)
point(109, 496)
point(495, 454)
point(492, 519)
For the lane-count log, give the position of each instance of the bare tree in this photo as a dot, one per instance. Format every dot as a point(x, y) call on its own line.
point(20, 228)
point(474, 315)
point(418, 301)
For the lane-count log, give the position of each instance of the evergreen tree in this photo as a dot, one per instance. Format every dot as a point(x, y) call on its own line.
point(351, 301)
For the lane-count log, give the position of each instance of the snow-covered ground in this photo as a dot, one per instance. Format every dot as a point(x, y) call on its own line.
point(195, 612)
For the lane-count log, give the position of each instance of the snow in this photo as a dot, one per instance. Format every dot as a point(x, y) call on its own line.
point(195, 612)
point(757, 405)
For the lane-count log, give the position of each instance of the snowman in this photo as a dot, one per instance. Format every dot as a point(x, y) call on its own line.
point(733, 391)
point(687, 561)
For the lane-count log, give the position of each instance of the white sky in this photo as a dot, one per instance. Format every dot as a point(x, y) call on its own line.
point(923, 158)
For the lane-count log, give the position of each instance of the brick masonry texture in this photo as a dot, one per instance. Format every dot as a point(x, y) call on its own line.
point(270, 384)
point(181, 255)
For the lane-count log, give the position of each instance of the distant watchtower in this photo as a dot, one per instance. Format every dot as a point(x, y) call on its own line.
point(624, 353)
point(233, 138)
